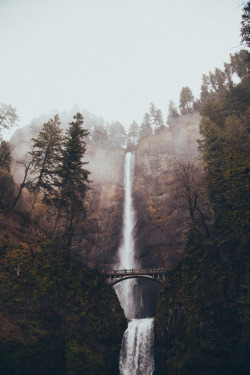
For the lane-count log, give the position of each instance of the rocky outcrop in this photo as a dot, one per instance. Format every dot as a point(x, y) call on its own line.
point(103, 226)
point(161, 219)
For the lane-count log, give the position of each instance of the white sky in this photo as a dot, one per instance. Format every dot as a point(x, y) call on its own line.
point(110, 57)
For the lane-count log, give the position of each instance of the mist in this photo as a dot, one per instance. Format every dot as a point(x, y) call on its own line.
point(111, 57)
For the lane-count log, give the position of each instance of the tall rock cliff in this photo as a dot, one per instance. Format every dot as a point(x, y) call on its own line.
point(103, 224)
point(161, 216)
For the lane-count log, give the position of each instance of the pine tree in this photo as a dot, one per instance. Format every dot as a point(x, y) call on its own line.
point(45, 155)
point(117, 135)
point(73, 181)
point(133, 135)
point(159, 123)
point(146, 128)
point(172, 114)
point(156, 119)
point(245, 25)
point(99, 135)
point(5, 155)
point(172, 110)
point(186, 99)
point(225, 149)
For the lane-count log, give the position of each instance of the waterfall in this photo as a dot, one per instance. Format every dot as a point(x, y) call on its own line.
point(136, 356)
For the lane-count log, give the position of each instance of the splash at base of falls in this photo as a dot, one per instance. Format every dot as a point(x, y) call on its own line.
point(126, 295)
point(137, 357)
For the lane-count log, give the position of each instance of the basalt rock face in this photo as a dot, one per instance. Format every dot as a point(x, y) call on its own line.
point(104, 208)
point(161, 219)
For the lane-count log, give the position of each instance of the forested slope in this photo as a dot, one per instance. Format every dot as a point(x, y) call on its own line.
point(202, 320)
point(57, 316)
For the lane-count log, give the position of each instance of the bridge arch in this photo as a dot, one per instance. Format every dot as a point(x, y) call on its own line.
point(114, 277)
point(148, 277)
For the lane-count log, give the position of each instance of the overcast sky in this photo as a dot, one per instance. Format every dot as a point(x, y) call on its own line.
point(110, 57)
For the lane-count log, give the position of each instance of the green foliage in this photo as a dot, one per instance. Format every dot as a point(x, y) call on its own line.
point(202, 320)
point(245, 24)
point(220, 95)
point(99, 135)
point(239, 63)
point(5, 155)
point(117, 135)
point(45, 155)
point(7, 189)
point(186, 99)
point(146, 128)
point(57, 316)
point(156, 118)
point(133, 136)
point(225, 149)
point(202, 324)
point(73, 182)
point(189, 179)
point(172, 113)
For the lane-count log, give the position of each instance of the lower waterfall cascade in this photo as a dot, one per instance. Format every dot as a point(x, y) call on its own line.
point(136, 355)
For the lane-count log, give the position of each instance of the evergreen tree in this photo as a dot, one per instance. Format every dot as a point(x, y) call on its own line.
point(152, 112)
point(172, 113)
point(146, 128)
point(245, 25)
point(217, 80)
point(225, 149)
point(204, 88)
point(186, 99)
point(220, 82)
point(99, 135)
point(159, 123)
point(73, 180)
point(45, 155)
point(172, 110)
point(240, 63)
point(5, 155)
point(156, 119)
point(133, 135)
point(117, 135)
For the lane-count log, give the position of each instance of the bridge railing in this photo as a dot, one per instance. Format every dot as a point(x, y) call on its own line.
point(145, 271)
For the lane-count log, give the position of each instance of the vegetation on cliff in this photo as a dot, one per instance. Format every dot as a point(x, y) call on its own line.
point(57, 316)
point(202, 320)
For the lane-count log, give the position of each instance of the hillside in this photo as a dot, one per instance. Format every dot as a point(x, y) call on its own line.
point(161, 219)
point(202, 320)
point(162, 216)
point(57, 316)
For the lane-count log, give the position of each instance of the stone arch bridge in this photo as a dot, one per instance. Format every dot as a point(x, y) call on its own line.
point(116, 276)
